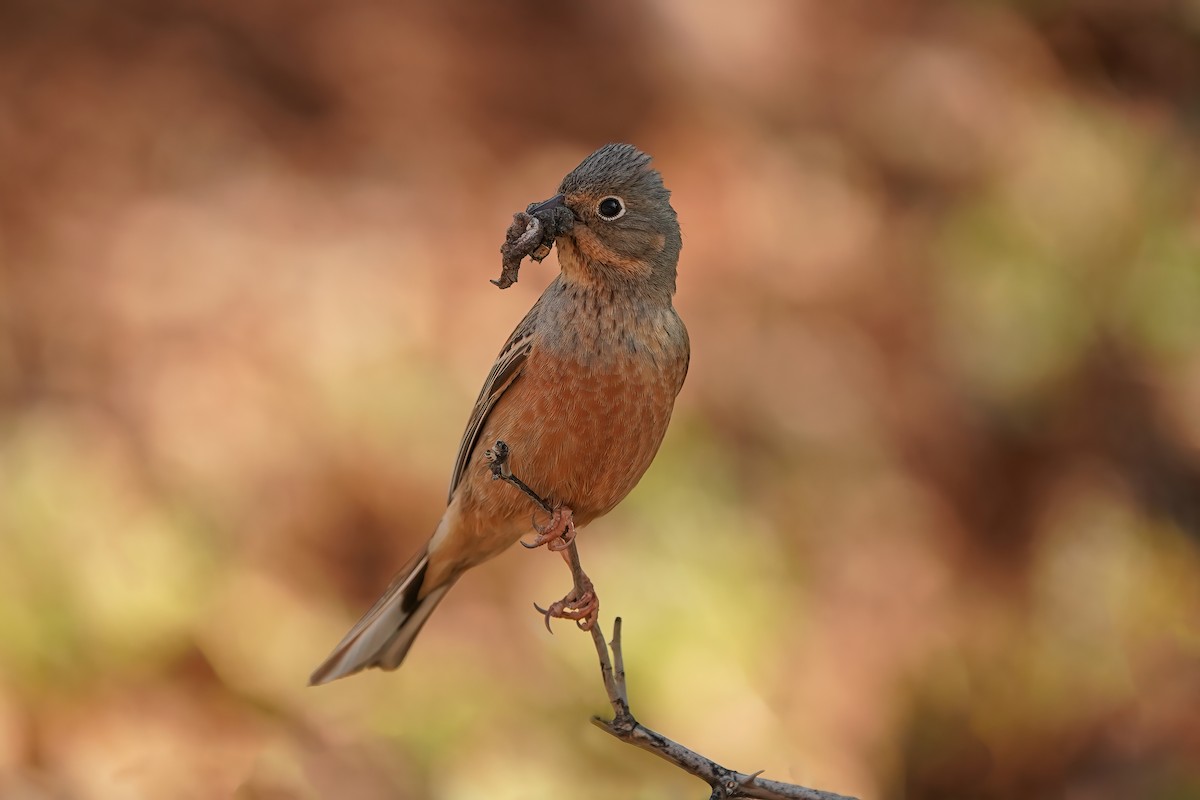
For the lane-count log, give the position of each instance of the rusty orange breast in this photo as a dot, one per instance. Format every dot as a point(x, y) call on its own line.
point(598, 426)
point(588, 413)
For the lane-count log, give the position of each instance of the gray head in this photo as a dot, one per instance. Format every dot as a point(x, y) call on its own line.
point(623, 227)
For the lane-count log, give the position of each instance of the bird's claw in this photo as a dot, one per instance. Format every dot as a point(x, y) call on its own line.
point(581, 606)
point(557, 534)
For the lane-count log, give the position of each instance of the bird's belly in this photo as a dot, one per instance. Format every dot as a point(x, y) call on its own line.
point(587, 433)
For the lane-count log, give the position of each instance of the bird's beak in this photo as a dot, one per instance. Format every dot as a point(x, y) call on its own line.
point(548, 205)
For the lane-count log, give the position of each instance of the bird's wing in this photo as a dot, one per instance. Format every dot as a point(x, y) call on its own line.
point(504, 374)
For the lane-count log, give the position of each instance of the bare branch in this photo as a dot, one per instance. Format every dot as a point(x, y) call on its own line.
point(726, 784)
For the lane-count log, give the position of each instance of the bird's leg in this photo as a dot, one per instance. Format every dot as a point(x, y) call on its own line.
point(581, 603)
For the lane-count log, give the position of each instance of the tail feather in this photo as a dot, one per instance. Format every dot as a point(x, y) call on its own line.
point(385, 633)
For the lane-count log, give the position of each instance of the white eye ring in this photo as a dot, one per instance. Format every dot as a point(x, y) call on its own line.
point(611, 217)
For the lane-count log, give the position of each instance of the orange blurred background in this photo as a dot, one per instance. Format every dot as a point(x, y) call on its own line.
point(926, 521)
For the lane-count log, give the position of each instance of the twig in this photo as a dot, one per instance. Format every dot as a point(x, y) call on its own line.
point(497, 459)
point(726, 784)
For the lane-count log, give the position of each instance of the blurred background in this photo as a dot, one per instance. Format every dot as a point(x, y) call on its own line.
point(926, 521)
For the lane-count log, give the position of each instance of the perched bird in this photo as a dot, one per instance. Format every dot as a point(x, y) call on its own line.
point(581, 392)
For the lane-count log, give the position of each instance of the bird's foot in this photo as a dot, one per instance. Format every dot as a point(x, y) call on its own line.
point(580, 604)
point(557, 534)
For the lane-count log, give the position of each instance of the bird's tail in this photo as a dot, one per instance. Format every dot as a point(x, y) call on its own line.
point(384, 634)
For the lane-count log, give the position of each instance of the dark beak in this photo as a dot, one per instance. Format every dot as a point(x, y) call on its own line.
point(548, 205)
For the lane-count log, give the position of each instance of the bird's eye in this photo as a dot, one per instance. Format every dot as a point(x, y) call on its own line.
point(611, 208)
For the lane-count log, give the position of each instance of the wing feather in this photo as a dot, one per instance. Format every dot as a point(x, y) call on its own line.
point(504, 374)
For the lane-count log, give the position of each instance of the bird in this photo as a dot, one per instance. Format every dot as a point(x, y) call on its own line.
point(581, 392)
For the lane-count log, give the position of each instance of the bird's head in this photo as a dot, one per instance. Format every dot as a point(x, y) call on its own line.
point(621, 226)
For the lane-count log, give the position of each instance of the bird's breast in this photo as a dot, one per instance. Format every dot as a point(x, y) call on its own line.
point(601, 422)
point(588, 412)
